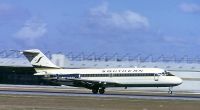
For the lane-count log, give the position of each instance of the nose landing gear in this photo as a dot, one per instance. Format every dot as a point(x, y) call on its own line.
point(170, 90)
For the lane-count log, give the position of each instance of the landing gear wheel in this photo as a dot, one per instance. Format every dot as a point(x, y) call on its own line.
point(94, 91)
point(102, 91)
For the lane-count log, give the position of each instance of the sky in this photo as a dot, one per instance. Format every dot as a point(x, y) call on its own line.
point(149, 27)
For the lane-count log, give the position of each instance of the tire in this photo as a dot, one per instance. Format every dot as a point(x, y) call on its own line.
point(101, 91)
point(94, 91)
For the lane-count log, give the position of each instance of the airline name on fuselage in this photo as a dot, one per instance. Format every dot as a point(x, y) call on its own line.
point(122, 71)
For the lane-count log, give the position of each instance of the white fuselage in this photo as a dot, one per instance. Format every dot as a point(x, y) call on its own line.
point(99, 79)
point(115, 77)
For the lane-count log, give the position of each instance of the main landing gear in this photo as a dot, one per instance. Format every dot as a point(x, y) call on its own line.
point(170, 90)
point(100, 90)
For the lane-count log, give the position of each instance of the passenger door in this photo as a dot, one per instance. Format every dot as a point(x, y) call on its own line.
point(156, 76)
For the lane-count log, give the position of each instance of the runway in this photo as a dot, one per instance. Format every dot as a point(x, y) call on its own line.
point(81, 92)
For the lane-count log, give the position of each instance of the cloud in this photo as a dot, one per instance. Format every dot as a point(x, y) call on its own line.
point(110, 31)
point(100, 16)
point(101, 22)
point(190, 7)
point(33, 29)
point(100, 10)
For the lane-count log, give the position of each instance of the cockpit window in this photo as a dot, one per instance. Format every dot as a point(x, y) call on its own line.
point(166, 73)
point(163, 74)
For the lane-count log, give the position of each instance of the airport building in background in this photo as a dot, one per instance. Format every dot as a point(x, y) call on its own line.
point(13, 66)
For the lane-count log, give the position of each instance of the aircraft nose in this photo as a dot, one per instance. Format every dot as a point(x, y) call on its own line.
point(179, 81)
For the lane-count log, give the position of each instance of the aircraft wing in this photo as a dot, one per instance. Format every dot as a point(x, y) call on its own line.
point(77, 81)
point(88, 83)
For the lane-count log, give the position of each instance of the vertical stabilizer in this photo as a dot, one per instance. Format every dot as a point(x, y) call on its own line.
point(38, 59)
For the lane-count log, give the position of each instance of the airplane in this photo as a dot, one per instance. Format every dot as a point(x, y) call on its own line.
point(98, 80)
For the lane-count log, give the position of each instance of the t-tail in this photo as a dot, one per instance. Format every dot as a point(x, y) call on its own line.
point(38, 59)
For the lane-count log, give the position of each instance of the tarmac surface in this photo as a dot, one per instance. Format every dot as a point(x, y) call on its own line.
point(110, 92)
